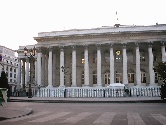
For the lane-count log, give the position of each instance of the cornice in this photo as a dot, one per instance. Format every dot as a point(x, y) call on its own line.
point(103, 35)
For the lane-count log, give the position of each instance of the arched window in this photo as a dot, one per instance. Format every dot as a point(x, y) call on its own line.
point(143, 76)
point(94, 57)
point(94, 77)
point(107, 56)
point(118, 56)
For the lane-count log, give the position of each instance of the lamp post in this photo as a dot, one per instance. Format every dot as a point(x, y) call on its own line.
point(63, 70)
point(30, 56)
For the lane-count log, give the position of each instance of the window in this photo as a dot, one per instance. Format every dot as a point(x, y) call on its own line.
point(10, 74)
point(82, 78)
point(131, 77)
point(10, 69)
point(82, 58)
point(107, 56)
point(118, 56)
point(70, 78)
point(142, 56)
point(107, 77)
point(143, 76)
point(156, 76)
point(94, 77)
point(130, 56)
point(14, 70)
point(94, 57)
point(10, 80)
point(14, 75)
point(154, 56)
point(118, 77)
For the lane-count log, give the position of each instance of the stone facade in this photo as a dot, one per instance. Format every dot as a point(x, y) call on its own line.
point(95, 57)
point(9, 64)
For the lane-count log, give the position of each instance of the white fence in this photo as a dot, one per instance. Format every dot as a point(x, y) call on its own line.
point(79, 92)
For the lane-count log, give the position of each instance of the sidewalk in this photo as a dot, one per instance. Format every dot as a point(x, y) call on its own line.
point(10, 110)
point(88, 100)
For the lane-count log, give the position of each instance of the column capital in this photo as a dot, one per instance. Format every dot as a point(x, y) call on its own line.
point(163, 43)
point(86, 46)
point(124, 45)
point(137, 44)
point(73, 47)
point(150, 44)
point(39, 49)
point(50, 48)
point(111, 45)
point(98, 46)
point(61, 48)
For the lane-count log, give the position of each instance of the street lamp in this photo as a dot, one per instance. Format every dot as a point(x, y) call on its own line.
point(32, 53)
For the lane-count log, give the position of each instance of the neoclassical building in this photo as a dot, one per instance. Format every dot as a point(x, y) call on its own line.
point(95, 57)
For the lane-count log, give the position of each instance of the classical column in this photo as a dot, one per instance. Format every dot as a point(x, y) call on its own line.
point(39, 55)
point(27, 72)
point(138, 72)
point(54, 65)
point(99, 66)
point(111, 64)
point(151, 71)
point(86, 67)
point(19, 74)
point(46, 70)
point(163, 52)
point(35, 70)
point(43, 73)
point(23, 74)
point(125, 75)
point(62, 84)
point(74, 66)
point(50, 68)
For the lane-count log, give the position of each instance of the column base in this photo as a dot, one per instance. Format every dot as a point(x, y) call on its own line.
point(153, 85)
point(62, 86)
point(49, 87)
point(73, 85)
point(99, 86)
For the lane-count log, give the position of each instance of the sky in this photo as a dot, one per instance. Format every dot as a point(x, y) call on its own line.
point(21, 20)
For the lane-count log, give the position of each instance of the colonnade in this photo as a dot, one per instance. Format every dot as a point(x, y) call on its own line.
point(39, 65)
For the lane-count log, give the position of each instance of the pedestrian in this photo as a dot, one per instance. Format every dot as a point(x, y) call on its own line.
point(4, 83)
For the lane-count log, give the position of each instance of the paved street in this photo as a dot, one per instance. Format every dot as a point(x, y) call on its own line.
point(91, 114)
